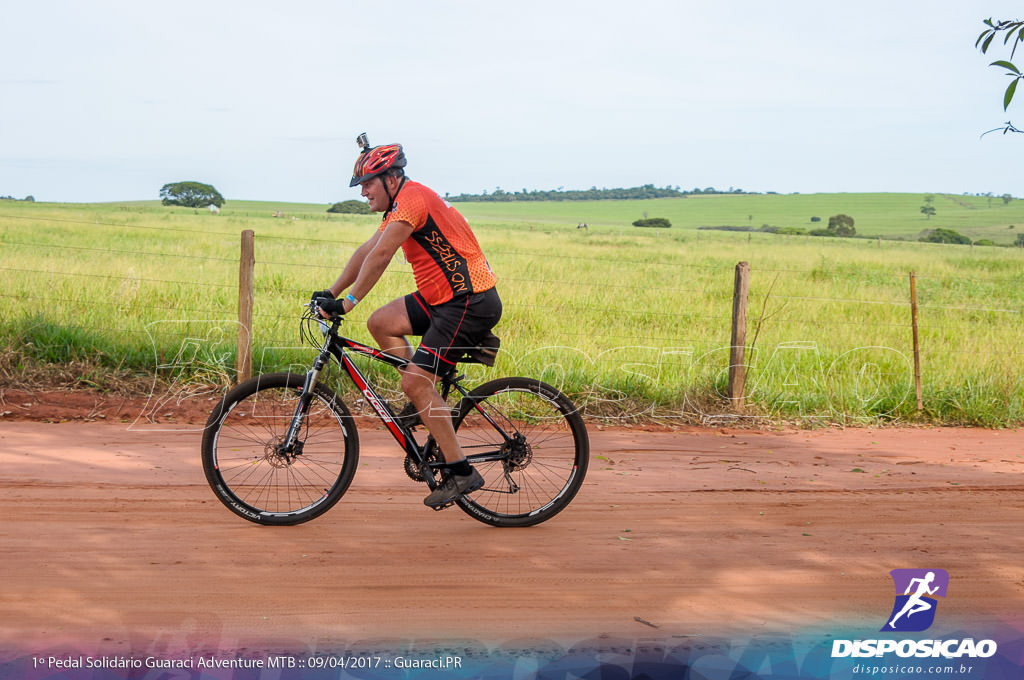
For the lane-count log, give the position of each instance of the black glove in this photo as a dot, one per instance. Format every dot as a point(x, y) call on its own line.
point(322, 294)
point(333, 306)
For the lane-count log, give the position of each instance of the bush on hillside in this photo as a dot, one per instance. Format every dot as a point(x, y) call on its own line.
point(945, 236)
point(656, 222)
point(352, 207)
point(789, 231)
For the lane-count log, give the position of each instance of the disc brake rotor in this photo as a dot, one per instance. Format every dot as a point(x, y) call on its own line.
point(520, 453)
point(277, 458)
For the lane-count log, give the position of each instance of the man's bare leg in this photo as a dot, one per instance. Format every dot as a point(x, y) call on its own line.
point(419, 386)
point(389, 325)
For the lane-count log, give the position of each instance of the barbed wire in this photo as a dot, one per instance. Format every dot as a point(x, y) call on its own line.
point(534, 281)
point(234, 234)
point(119, 278)
point(669, 342)
point(221, 313)
point(895, 303)
point(400, 272)
point(62, 220)
point(512, 279)
point(51, 246)
point(53, 300)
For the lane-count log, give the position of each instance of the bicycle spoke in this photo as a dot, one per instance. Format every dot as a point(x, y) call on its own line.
point(245, 458)
point(539, 446)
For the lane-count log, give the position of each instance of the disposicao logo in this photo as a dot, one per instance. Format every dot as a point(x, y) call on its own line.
point(913, 611)
point(916, 590)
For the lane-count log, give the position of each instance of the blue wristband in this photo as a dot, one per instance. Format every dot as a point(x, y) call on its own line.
point(353, 299)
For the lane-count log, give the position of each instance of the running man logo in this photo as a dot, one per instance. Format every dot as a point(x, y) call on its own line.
point(914, 609)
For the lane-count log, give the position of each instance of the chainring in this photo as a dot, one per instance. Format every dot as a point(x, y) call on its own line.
point(414, 472)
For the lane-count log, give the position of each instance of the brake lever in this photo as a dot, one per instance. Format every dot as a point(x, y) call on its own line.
point(335, 318)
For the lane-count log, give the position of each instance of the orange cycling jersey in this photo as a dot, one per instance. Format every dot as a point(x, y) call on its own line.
point(445, 256)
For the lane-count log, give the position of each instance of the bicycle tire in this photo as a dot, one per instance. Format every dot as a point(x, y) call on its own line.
point(547, 470)
point(262, 485)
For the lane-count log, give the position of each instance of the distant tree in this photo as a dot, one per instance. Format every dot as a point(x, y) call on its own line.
point(353, 206)
point(945, 236)
point(190, 195)
point(1020, 241)
point(841, 225)
point(1006, 199)
point(928, 211)
point(559, 194)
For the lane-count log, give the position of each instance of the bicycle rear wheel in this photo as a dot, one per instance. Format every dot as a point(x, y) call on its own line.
point(249, 472)
point(529, 442)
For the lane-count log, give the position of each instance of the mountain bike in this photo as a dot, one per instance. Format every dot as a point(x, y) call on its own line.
point(282, 448)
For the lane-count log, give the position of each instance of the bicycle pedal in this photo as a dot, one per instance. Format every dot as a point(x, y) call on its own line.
point(439, 508)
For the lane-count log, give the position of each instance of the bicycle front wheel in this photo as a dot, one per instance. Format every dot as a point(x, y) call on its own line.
point(529, 442)
point(247, 466)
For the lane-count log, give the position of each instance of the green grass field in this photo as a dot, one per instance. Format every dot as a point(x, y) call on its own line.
point(633, 323)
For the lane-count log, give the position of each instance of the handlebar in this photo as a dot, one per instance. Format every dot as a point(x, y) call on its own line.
point(331, 307)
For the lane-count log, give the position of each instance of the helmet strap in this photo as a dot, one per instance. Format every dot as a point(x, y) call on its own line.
point(391, 199)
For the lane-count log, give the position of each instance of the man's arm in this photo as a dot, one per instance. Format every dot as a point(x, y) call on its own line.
point(355, 263)
point(378, 257)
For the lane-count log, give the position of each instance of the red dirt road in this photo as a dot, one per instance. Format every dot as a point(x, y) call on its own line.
point(110, 534)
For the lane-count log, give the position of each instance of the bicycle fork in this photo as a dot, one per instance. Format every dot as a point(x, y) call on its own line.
point(290, 444)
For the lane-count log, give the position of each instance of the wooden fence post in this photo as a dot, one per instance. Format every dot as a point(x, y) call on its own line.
point(738, 343)
point(917, 344)
point(246, 264)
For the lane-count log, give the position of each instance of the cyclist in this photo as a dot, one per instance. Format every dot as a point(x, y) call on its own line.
point(455, 304)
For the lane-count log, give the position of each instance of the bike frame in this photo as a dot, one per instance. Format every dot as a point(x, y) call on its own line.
point(338, 347)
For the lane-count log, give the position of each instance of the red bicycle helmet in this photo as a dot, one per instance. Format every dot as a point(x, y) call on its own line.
point(377, 161)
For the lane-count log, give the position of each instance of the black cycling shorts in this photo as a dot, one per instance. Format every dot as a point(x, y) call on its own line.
point(450, 328)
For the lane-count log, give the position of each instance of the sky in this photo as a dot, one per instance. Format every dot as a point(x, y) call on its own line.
point(109, 100)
